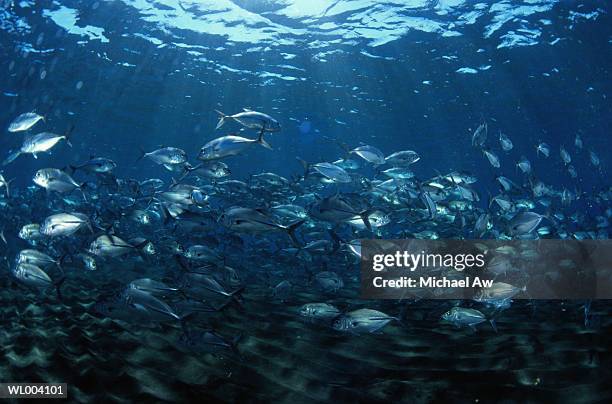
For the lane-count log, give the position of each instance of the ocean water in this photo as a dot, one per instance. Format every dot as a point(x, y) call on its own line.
point(220, 317)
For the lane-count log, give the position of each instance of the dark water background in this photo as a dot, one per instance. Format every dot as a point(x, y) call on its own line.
point(167, 95)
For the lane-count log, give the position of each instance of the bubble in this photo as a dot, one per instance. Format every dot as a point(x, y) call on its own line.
point(79, 85)
point(43, 74)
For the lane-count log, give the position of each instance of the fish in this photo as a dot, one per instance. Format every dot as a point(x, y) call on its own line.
point(328, 281)
point(209, 341)
point(4, 183)
point(370, 154)
point(56, 180)
point(565, 156)
point(110, 246)
point(594, 159)
point(544, 149)
point(241, 219)
point(39, 143)
point(479, 137)
point(524, 165)
point(465, 317)
point(165, 156)
point(318, 311)
point(98, 165)
point(498, 291)
point(210, 169)
point(524, 223)
point(64, 224)
point(402, 158)
point(328, 170)
point(251, 119)
point(37, 258)
point(492, 157)
point(362, 321)
point(505, 142)
point(30, 232)
point(398, 173)
point(337, 208)
point(230, 145)
point(34, 277)
point(152, 287)
point(578, 142)
point(25, 122)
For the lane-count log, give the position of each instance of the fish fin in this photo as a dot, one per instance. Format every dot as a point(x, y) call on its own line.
point(2, 237)
point(291, 231)
point(493, 325)
point(262, 141)
point(222, 119)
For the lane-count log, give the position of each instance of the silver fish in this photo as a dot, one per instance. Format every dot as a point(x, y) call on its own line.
point(64, 224)
point(362, 321)
point(230, 145)
point(402, 158)
point(319, 311)
point(524, 223)
point(25, 121)
point(370, 154)
point(479, 137)
point(55, 180)
point(251, 120)
point(505, 142)
point(165, 155)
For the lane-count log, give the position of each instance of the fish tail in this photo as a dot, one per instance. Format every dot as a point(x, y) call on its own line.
point(291, 231)
point(8, 192)
point(234, 343)
point(262, 141)
point(493, 324)
point(365, 216)
point(142, 154)
point(83, 185)
point(60, 262)
point(90, 227)
point(167, 215)
point(337, 241)
point(68, 133)
point(222, 118)
point(224, 305)
point(58, 285)
point(236, 297)
point(11, 157)
point(304, 164)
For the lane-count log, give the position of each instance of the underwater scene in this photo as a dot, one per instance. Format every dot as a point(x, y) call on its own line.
point(185, 187)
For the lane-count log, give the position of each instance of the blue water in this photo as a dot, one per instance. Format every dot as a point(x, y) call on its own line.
point(397, 75)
